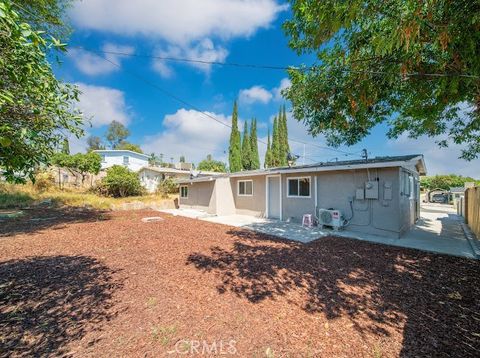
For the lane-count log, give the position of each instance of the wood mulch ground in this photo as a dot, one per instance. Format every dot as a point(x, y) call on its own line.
point(91, 284)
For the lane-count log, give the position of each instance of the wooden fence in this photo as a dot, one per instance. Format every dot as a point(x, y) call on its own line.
point(472, 209)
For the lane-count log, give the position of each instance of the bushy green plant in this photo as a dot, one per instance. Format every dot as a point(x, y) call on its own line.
point(167, 186)
point(121, 182)
point(44, 181)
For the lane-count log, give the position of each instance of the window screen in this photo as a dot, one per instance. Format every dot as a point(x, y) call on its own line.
point(299, 187)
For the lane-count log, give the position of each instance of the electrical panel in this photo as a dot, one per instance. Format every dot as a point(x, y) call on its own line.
point(371, 190)
point(387, 190)
point(360, 194)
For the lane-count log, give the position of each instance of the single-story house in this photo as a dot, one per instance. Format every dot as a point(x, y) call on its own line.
point(132, 160)
point(151, 176)
point(376, 196)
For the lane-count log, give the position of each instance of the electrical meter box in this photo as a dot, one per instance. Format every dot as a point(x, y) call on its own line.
point(360, 194)
point(371, 190)
point(387, 190)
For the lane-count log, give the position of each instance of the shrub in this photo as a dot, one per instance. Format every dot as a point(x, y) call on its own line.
point(44, 181)
point(120, 182)
point(167, 186)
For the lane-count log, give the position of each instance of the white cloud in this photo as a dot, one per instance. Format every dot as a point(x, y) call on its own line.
point(92, 64)
point(191, 133)
point(438, 160)
point(177, 21)
point(260, 94)
point(204, 50)
point(254, 94)
point(188, 27)
point(102, 105)
point(277, 91)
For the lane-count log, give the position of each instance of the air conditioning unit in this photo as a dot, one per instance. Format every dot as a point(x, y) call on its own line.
point(330, 217)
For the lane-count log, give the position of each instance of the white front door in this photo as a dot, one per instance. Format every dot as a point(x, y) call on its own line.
point(273, 197)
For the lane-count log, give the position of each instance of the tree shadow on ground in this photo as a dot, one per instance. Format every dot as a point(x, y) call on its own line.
point(38, 219)
point(48, 302)
point(433, 300)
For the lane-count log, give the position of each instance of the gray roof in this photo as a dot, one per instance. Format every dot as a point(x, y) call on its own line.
point(344, 164)
point(106, 151)
point(386, 159)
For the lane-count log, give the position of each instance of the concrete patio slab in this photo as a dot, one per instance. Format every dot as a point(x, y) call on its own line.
point(189, 213)
point(439, 230)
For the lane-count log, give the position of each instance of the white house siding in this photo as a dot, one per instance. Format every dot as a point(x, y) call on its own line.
point(151, 177)
point(115, 157)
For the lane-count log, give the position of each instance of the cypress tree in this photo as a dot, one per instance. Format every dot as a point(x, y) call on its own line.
point(268, 154)
point(246, 149)
point(286, 147)
point(275, 149)
point(254, 145)
point(281, 143)
point(234, 150)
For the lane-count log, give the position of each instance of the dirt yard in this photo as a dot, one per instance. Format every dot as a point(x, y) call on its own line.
point(92, 284)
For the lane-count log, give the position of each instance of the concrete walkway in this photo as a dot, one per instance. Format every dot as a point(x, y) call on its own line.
point(439, 230)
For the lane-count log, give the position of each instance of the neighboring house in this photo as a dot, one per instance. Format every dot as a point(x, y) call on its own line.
point(150, 177)
point(132, 160)
point(378, 196)
point(457, 196)
point(456, 193)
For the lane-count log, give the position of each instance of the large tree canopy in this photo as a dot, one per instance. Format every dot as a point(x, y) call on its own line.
point(35, 108)
point(81, 164)
point(212, 165)
point(412, 64)
point(446, 181)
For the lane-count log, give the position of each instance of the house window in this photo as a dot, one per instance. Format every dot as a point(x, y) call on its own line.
point(299, 187)
point(184, 192)
point(126, 160)
point(245, 187)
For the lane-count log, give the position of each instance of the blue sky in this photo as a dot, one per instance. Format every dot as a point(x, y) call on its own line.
point(240, 31)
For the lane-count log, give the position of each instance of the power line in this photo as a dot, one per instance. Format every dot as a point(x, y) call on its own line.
point(268, 67)
point(171, 95)
point(323, 147)
point(271, 67)
point(191, 60)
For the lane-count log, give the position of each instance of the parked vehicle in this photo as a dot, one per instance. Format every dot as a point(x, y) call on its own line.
point(440, 198)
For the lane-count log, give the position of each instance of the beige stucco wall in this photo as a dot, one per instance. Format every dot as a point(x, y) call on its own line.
point(295, 208)
point(250, 205)
point(383, 216)
point(380, 216)
point(200, 196)
point(224, 201)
